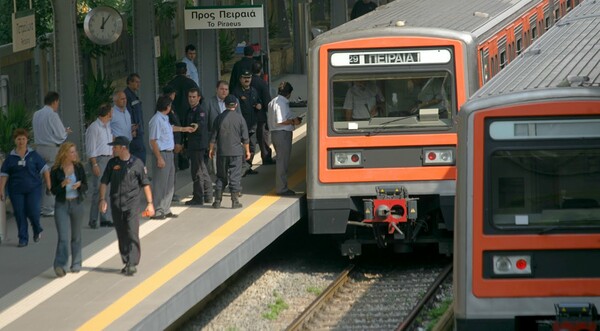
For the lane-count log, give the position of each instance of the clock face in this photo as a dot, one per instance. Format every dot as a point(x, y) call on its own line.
point(103, 25)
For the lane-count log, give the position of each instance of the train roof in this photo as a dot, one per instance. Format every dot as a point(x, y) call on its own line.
point(566, 56)
point(457, 15)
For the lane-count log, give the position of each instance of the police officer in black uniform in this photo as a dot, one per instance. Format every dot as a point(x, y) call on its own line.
point(229, 140)
point(127, 176)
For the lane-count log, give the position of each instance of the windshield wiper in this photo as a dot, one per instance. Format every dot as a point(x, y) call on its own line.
point(385, 124)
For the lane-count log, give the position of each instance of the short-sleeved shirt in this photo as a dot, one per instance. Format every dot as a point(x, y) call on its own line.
point(162, 132)
point(361, 100)
point(230, 134)
point(97, 137)
point(192, 70)
point(48, 129)
point(279, 111)
point(24, 174)
point(126, 179)
point(120, 123)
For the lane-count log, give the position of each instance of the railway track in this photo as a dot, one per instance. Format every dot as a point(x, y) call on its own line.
point(373, 299)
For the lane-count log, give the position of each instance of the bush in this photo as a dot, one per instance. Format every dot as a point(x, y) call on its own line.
point(166, 67)
point(96, 91)
point(16, 116)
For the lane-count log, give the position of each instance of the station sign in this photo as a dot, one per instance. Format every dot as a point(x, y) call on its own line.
point(23, 30)
point(429, 56)
point(224, 17)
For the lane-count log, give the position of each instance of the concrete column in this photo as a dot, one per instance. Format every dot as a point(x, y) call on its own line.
point(209, 60)
point(339, 13)
point(144, 59)
point(68, 69)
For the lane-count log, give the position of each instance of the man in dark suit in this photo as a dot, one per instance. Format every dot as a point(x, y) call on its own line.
point(182, 84)
point(244, 64)
point(263, 135)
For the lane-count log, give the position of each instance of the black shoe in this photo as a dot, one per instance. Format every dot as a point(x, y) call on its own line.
point(60, 272)
point(171, 215)
point(216, 204)
point(130, 270)
point(75, 270)
point(194, 202)
point(175, 198)
point(208, 199)
point(287, 193)
point(159, 217)
point(22, 244)
point(93, 224)
point(106, 224)
point(251, 172)
point(269, 162)
point(37, 237)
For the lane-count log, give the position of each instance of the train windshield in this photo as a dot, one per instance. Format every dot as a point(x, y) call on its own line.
point(547, 188)
point(392, 102)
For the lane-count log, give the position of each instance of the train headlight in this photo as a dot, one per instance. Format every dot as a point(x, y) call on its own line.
point(512, 265)
point(347, 159)
point(438, 156)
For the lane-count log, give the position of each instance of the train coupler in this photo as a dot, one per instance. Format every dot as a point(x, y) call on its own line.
point(576, 316)
point(391, 205)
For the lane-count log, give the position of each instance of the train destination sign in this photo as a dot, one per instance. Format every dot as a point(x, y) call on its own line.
point(224, 17)
point(430, 56)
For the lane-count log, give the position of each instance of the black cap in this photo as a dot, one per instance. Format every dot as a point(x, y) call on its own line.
point(180, 65)
point(246, 74)
point(120, 141)
point(230, 101)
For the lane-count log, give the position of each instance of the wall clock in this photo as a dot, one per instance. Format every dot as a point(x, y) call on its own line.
point(103, 25)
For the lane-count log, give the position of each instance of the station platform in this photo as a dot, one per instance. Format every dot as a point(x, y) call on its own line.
point(183, 259)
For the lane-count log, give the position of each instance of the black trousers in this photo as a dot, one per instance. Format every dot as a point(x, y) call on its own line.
point(127, 225)
point(200, 177)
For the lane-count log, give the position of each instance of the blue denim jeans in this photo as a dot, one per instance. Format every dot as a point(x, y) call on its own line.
point(68, 217)
point(27, 206)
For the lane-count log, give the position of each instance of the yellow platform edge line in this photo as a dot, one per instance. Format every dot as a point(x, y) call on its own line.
point(136, 295)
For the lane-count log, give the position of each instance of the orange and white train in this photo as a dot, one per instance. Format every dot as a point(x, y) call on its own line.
point(527, 232)
point(384, 93)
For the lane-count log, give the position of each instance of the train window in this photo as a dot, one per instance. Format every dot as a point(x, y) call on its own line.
point(484, 56)
point(503, 61)
point(391, 102)
point(537, 178)
point(533, 33)
point(556, 15)
point(545, 187)
point(547, 23)
point(569, 5)
point(519, 45)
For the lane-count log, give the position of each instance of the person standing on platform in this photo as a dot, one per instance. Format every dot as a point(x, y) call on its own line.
point(250, 105)
point(263, 136)
point(362, 7)
point(229, 141)
point(281, 124)
point(22, 173)
point(188, 59)
point(244, 64)
point(120, 123)
point(197, 146)
point(69, 185)
point(214, 106)
point(97, 137)
point(126, 175)
point(48, 133)
point(182, 84)
point(163, 169)
point(134, 106)
point(177, 138)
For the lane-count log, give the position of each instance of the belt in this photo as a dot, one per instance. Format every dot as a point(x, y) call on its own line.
point(104, 156)
point(49, 145)
point(71, 199)
point(166, 151)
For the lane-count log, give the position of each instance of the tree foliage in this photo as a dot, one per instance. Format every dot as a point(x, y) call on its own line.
point(43, 19)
